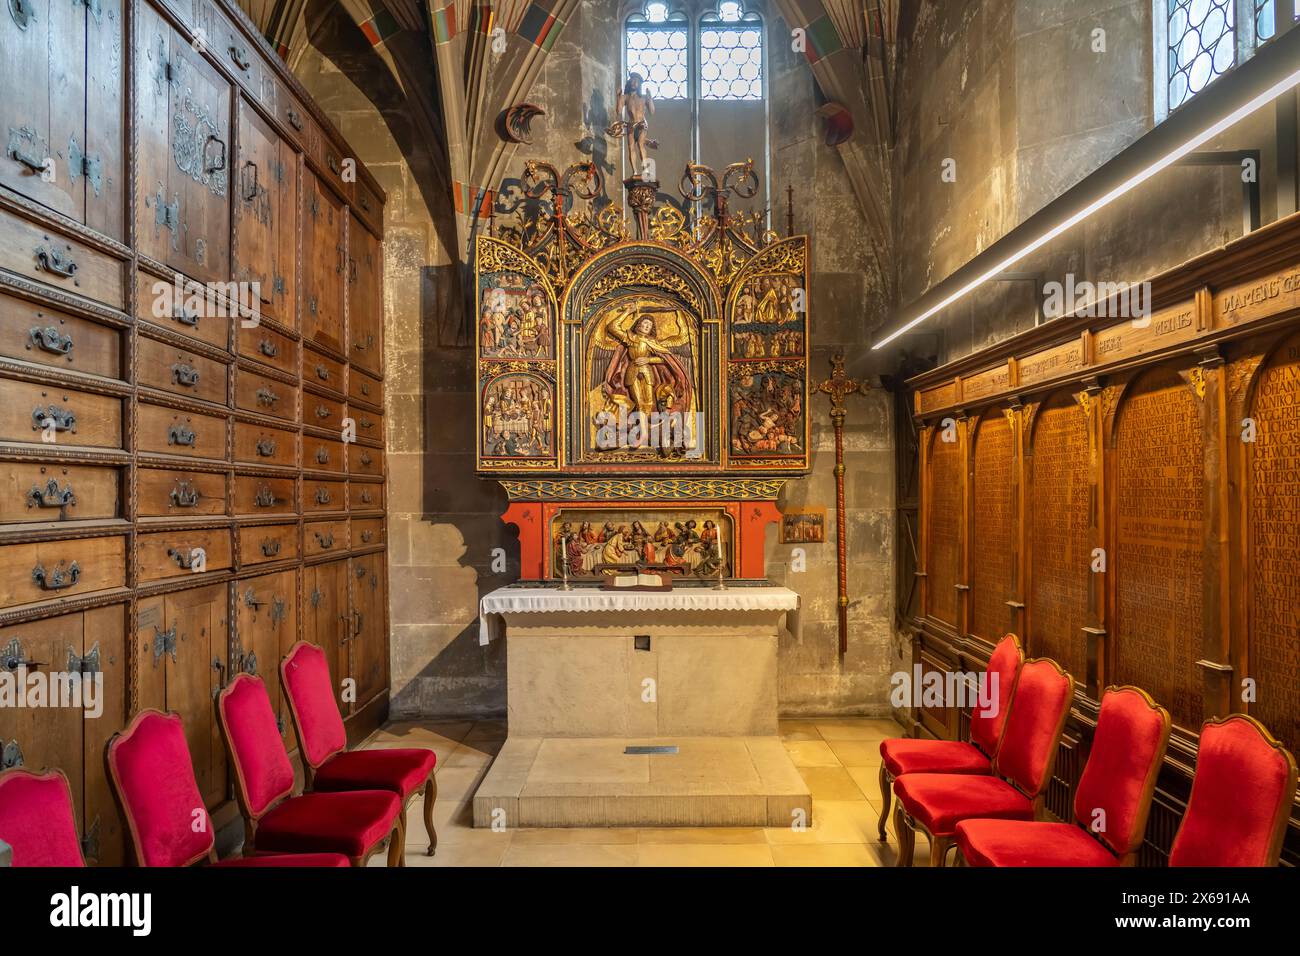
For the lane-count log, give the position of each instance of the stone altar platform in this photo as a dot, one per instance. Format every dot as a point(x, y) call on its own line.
point(688, 676)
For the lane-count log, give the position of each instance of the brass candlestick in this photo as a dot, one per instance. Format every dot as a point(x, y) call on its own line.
point(839, 387)
point(722, 584)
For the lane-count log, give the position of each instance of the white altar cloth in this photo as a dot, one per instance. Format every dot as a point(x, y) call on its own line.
point(514, 599)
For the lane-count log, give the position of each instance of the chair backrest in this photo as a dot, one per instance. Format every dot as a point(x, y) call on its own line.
point(1001, 673)
point(263, 774)
point(1034, 725)
point(305, 676)
point(1119, 780)
point(150, 769)
point(1241, 797)
point(36, 818)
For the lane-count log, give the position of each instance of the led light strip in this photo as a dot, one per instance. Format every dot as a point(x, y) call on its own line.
point(1168, 159)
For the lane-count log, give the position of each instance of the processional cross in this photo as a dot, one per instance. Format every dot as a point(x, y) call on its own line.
point(839, 387)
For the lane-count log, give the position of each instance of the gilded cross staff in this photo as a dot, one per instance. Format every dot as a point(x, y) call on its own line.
point(839, 387)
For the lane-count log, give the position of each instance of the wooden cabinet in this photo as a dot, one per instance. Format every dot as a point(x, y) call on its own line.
point(266, 626)
point(175, 484)
point(323, 254)
point(61, 116)
point(266, 215)
point(91, 648)
point(183, 151)
point(181, 654)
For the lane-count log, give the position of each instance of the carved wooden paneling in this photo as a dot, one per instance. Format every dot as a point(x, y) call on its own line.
point(1060, 554)
point(1274, 545)
point(942, 561)
point(1159, 543)
point(993, 527)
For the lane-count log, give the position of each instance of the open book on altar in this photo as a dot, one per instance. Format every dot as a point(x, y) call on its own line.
point(638, 581)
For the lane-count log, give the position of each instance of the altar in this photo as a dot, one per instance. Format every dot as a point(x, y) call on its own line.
point(641, 708)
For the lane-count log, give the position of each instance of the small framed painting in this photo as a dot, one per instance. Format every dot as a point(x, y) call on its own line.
point(803, 526)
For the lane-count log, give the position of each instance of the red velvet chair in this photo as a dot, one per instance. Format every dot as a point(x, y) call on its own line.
point(150, 769)
point(1241, 797)
point(355, 824)
point(322, 741)
point(937, 802)
point(36, 818)
point(916, 755)
point(1111, 802)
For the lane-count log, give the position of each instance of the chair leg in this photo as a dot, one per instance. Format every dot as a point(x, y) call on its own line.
point(906, 837)
point(939, 847)
point(430, 795)
point(886, 794)
point(397, 846)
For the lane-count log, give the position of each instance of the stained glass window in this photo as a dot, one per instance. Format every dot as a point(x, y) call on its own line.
point(1265, 24)
point(660, 57)
point(731, 55)
point(1202, 46)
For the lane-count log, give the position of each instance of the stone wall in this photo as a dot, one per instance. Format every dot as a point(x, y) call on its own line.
point(444, 522)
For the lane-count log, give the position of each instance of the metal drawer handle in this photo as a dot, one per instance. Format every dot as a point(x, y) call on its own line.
point(361, 346)
point(185, 375)
point(265, 497)
point(270, 547)
point(33, 162)
point(50, 339)
point(182, 435)
point(251, 185)
point(366, 423)
point(55, 262)
point(266, 447)
point(360, 618)
point(58, 579)
point(51, 496)
point(365, 388)
point(367, 536)
point(184, 316)
point(322, 373)
point(323, 411)
point(366, 460)
point(11, 658)
point(250, 599)
point(365, 497)
point(267, 397)
point(187, 558)
point(239, 56)
point(221, 163)
point(365, 203)
point(268, 348)
point(332, 162)
point(184, 495)
point(295, 120)
point(323, 496)
point(52, 416)
point(323, 455)
point(326, 541)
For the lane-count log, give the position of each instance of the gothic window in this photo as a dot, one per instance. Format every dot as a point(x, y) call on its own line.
point(655, 45)
point(731, 54)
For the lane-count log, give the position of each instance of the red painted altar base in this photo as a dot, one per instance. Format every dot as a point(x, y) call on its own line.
point(749, 520)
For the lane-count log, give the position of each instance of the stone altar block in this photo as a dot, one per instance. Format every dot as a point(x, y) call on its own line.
point(591, 673)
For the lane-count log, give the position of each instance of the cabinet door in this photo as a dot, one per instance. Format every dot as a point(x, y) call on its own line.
point(325, 621)
point(266, 206)
point(367, 644)
point(322, 258)
point(104, 167)
point(183, 141)
point(43, 110)
point(266, 611)
point(365, 307)
point(104, 650)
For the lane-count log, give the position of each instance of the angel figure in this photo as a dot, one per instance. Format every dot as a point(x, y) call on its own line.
point(649, 367)
point(634, 109)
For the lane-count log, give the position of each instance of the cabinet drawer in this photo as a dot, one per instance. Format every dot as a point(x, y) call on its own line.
point(368, 206)
point(43, 336)
point(363, 388)
point(321, 412)
point(365, 496)
point(59, 493)
point(178, 494)
point(263, 496)
point(59, 569)
point(370, 425)
point(323, 496)
point(164, 303)
point(263, 344)
point(319, 372)
point(170, 554)
point(367, 532)
point(51, 258)
point(260, 445)
point(166, 431)
point(322, 454)
point(171, 369)
point(263, 543)
point(325, 537)
point(293, 116)
point(266, 396)
point(365, 460)
point(34, 413)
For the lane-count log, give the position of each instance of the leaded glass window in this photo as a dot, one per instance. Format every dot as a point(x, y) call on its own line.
point(1265, 16)
point(655, 45)
point(1202, 46)
point(731, 55)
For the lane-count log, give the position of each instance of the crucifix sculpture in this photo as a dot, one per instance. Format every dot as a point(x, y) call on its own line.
point(839, 387)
